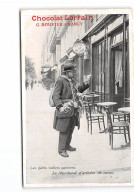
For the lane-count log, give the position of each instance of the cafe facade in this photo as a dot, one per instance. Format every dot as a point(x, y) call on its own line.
point(108, 59)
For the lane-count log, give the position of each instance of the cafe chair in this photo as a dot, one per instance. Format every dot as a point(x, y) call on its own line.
point(95, 107)
point(120, 116)
point(92, 101)
point(85, 101)
point(120, 127)
point(127, 117)
point(93, 117)
point(127, 101)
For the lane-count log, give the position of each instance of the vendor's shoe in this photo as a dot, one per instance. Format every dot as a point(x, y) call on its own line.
point(64, 154)
point(70, 148)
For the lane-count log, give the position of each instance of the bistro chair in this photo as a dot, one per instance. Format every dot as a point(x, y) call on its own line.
point(127, 101)
point(92, 100)
point(85, 102)
point(95, 102)
point(120, 116)
point(120, 127)
point(127, 117)
point(93, 117)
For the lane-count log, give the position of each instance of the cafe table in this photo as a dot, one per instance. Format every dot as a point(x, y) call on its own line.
point(124, 109)
point(106, 106)
point(91, 95)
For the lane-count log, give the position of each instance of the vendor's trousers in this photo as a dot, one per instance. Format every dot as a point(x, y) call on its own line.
point(66, 137)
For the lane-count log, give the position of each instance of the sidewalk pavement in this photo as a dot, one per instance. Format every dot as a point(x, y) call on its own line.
point(92, 162)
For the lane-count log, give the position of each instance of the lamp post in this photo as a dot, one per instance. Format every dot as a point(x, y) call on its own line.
point(79, 48)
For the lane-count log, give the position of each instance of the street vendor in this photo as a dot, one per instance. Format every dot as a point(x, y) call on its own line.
point(67, 103)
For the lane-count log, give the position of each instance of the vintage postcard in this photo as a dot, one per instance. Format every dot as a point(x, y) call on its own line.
point(77, 77)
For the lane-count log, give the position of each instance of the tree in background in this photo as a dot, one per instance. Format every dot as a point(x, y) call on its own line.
point(29, 69)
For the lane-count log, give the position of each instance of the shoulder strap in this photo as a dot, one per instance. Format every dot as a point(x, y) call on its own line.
point(72, 91)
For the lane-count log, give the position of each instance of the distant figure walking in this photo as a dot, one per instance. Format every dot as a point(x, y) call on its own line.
point(27, 84)
point(32, 83)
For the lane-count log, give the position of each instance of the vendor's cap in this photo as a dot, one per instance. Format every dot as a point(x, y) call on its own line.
point(68, 65)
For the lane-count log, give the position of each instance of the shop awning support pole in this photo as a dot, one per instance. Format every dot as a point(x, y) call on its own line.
point(124, 58)
point(81, 69)
point(104, 59)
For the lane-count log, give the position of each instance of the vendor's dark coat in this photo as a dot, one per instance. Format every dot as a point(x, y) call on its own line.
point(63, 91)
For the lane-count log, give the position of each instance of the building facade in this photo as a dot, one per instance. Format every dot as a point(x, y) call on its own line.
point(106, 57)
point(109, 44)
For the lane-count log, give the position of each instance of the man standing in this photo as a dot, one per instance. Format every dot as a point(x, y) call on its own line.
point(65, 89)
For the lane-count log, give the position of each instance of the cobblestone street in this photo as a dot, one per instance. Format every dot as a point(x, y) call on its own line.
point(92, 162)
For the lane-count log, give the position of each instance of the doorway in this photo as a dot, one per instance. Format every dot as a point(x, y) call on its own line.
point(116, 75)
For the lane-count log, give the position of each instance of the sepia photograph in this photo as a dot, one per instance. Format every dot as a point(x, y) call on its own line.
point(76, 81)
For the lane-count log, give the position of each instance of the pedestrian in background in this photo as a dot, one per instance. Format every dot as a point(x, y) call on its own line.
point(32, 83)
point(27, 84)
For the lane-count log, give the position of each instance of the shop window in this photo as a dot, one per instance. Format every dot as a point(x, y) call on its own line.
point(98, 70)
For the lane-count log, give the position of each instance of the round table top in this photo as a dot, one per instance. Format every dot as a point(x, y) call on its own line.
point(107, 104)
point(91, 95)
point(124, 109)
